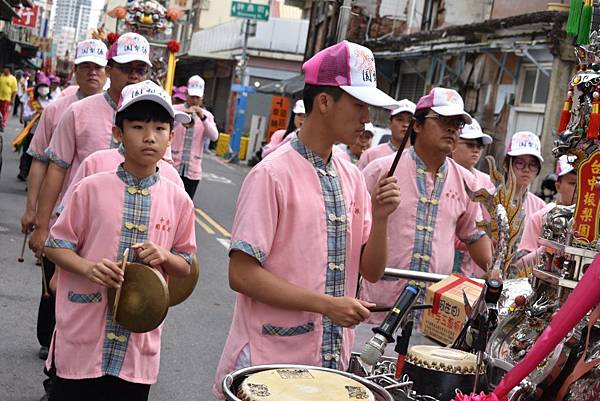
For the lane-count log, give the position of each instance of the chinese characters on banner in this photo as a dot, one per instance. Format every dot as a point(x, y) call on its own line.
point(280, 107)
point(588, 200)
point(27, 16)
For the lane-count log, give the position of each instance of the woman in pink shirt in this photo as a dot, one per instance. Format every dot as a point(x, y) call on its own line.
point(94, 357)
point(305, 226)
point(467, 153)
point(296, 121)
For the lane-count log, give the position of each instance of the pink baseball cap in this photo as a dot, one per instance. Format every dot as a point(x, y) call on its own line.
point(445, 102)
point(148, 90)
point(564, 166)
point(351, 67)
point(130, 47)
point(180, 92)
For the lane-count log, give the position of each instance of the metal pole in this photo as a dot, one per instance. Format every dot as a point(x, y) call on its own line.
point(343, 20)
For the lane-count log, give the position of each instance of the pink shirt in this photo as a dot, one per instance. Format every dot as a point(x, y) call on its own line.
point(85, 127)
point(376, 152)
point(468, 267)
point(280, 221)
point(421, 231)
point(92, 225)
point(533, 228)
point(187, 147)
point(274, 142)
point(47, 124)
point(109, 160)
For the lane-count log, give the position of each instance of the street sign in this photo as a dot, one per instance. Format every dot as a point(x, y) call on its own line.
point(250, 10)
point(27, 16)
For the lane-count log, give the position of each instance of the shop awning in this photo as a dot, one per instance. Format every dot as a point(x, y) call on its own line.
point(286, 87)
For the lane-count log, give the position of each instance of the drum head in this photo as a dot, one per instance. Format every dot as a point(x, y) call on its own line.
point(180, 288)
point(144, 299)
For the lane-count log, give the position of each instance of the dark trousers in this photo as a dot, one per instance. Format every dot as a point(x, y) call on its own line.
point(105, 388)
point(45, 319)
point(16, 106)
point(25, 162)
point(190, 186)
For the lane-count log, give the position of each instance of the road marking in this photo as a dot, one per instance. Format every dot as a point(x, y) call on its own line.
point(216, 178)
point(216, 225)
point(224, 242)
point(204, 226)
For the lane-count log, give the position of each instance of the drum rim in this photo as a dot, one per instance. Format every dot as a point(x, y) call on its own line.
point(230, 377)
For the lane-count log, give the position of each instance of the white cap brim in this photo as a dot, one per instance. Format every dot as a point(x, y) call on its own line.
point(128, 58)
point(195, 92)
point(485, 138)
point(299, 110)
point(523, 152)
point(91, 59)
point(401, 110)
point(450, 111)
point(371, 95)
point(178, 116)
point(568, 170)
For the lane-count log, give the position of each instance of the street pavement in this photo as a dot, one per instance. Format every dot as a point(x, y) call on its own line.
point(194, 331)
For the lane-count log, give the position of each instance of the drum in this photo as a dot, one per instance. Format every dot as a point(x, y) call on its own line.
point(438, 372)
point(299, 383)
point(180, 288)
point(144, 299)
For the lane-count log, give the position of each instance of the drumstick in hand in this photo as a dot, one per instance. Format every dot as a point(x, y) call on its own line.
point(401, 149)
point(21, 259)
point(118, 293)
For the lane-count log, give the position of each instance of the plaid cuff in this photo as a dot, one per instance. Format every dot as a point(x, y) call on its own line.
point(187, 256)
point(53, 157)
point(37, 156)
point(60, 243)
point(92, 298)
point(474, 237)
point(270, 330)
point(249, 249)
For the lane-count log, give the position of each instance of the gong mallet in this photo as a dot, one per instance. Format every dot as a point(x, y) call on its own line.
point(46, 294)
point(118, 292)
point(21, 258)
point(401, 148)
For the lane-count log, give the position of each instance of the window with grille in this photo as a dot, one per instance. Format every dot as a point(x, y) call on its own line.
point(411, 87)
point(534, 85)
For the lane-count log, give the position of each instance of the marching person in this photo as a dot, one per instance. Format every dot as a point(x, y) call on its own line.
point(86, 126)
point(468, 150)
point(305, 227)
point(400, 118)
point(55, 90)
point(188, 142)
point(435, 205)
point(353, 152)
point(8, 91)
point(566, 183)
point(152, 217)
point(294, 124)
point(30, 114)
point(90, 75)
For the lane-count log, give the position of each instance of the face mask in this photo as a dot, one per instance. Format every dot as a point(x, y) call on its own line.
point(44, 91)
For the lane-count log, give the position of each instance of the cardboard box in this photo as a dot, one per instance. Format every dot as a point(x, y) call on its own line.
point(446, 319)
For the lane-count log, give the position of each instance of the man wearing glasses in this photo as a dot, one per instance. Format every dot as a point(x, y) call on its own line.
point(86, 127)
point(435, 207)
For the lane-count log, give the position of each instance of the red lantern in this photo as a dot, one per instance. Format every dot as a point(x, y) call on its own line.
point(173, 46)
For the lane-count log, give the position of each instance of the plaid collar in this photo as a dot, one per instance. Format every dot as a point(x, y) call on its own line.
point(109, 100)
point(128, 179)
point(79, 95)
point(392, 146)
point(121, 149)
point(309, 155)
point(441, 173)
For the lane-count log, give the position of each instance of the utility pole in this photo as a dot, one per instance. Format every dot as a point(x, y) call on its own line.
point(343, 20)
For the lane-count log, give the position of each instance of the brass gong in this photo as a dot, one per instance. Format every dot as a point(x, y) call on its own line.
point(144, 299)
point(180, 288)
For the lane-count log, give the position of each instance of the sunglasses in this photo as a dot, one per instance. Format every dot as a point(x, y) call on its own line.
point(128, 69)
point(453, 121)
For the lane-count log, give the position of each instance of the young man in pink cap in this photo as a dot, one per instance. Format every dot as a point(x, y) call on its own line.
point(305, 227)
point(400, 119)
point(435, 205)
point(471, 142)
point(93, 357)
point(86, 126)
point(188, 142)
point(530, 247)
